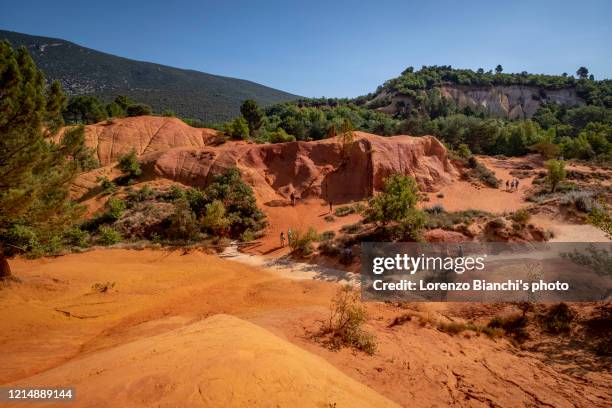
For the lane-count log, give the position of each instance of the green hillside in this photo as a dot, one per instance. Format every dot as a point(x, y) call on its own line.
point(192, 94)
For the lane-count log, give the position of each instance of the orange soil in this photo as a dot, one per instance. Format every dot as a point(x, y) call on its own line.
point(54, 325)
point(282, 216)
point(464, 195)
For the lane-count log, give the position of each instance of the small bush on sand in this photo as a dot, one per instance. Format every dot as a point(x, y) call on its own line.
point(435, 209)
point(108, 236)
point(558, 319)
point(301, 243)
point(521, 217)
point(352, 228)
point(514, 326)
point(344, 328)
point(496, 223)
point(343, 211)
point(329, 218)
point(129, 166)
point(107, 186)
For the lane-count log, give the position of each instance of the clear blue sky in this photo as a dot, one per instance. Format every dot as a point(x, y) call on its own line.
point(331, 48)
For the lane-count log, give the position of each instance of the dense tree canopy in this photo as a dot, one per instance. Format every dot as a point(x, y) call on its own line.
point(35, 170)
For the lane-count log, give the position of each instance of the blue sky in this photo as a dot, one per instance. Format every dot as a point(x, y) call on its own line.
point(331, 48)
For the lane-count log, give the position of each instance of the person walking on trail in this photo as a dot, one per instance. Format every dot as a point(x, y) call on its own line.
point(330, 206)
point(293, 198)
point(507, 185)
point(289, 236)
point(282, 239)
point(516, 184)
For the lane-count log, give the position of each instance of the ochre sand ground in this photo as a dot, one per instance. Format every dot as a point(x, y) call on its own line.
point(57, 330)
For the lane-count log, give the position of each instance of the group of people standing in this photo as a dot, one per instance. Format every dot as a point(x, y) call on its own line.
point(289, 237)
point(512, 185)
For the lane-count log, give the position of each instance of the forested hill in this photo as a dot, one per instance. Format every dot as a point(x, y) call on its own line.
point(493, 93)
point(192, 94)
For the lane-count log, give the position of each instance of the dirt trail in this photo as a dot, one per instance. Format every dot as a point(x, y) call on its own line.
point(290, 269)
point(464, 195)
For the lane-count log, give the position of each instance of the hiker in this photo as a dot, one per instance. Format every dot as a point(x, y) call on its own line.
point(282, 239)
point(507, 185)
point(516, 184)
point(293, 198)
point(289, 236)
point(330, 206)
point(513, 185)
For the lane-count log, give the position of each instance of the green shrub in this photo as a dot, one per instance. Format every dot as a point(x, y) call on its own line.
point(400, 194)
point(514, 326)
point(183, 223)
point(139, 109)
point(558, 319)
point(23, 237)
point(435, 209)
point(129, 165)
point(352, 228)
point(108, 236)
point(75, 236)
point(238, 199)
point(412, 225)
point(140, 195)
point(345, 324)
point(114, 209)
point(107, 186)
point(521, 217)
point(279, 136)
point(343, 211)
point(214, 220)
point(496, 223)
point(301, 243)
point(237, 129)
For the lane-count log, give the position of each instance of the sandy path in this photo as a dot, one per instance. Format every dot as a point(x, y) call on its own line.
point(290, 269)
point(463, 195)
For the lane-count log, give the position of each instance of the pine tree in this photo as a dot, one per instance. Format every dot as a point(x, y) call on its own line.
point(253, 115)
point(36, 164)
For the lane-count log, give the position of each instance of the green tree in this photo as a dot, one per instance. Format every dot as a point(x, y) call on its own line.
point(253, 115)
point(85, 109)
point(123, 101)
point(215, 220)
point(499, 69)
point(139, 109)
point(129, 165)
point(556, 173)
point(114, 110)
point(237, 129)
point(398, 197)
point(183, 223)
point(582, 72)
point(35, 172)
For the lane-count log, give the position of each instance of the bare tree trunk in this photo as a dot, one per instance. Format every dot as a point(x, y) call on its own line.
point(5, 269)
